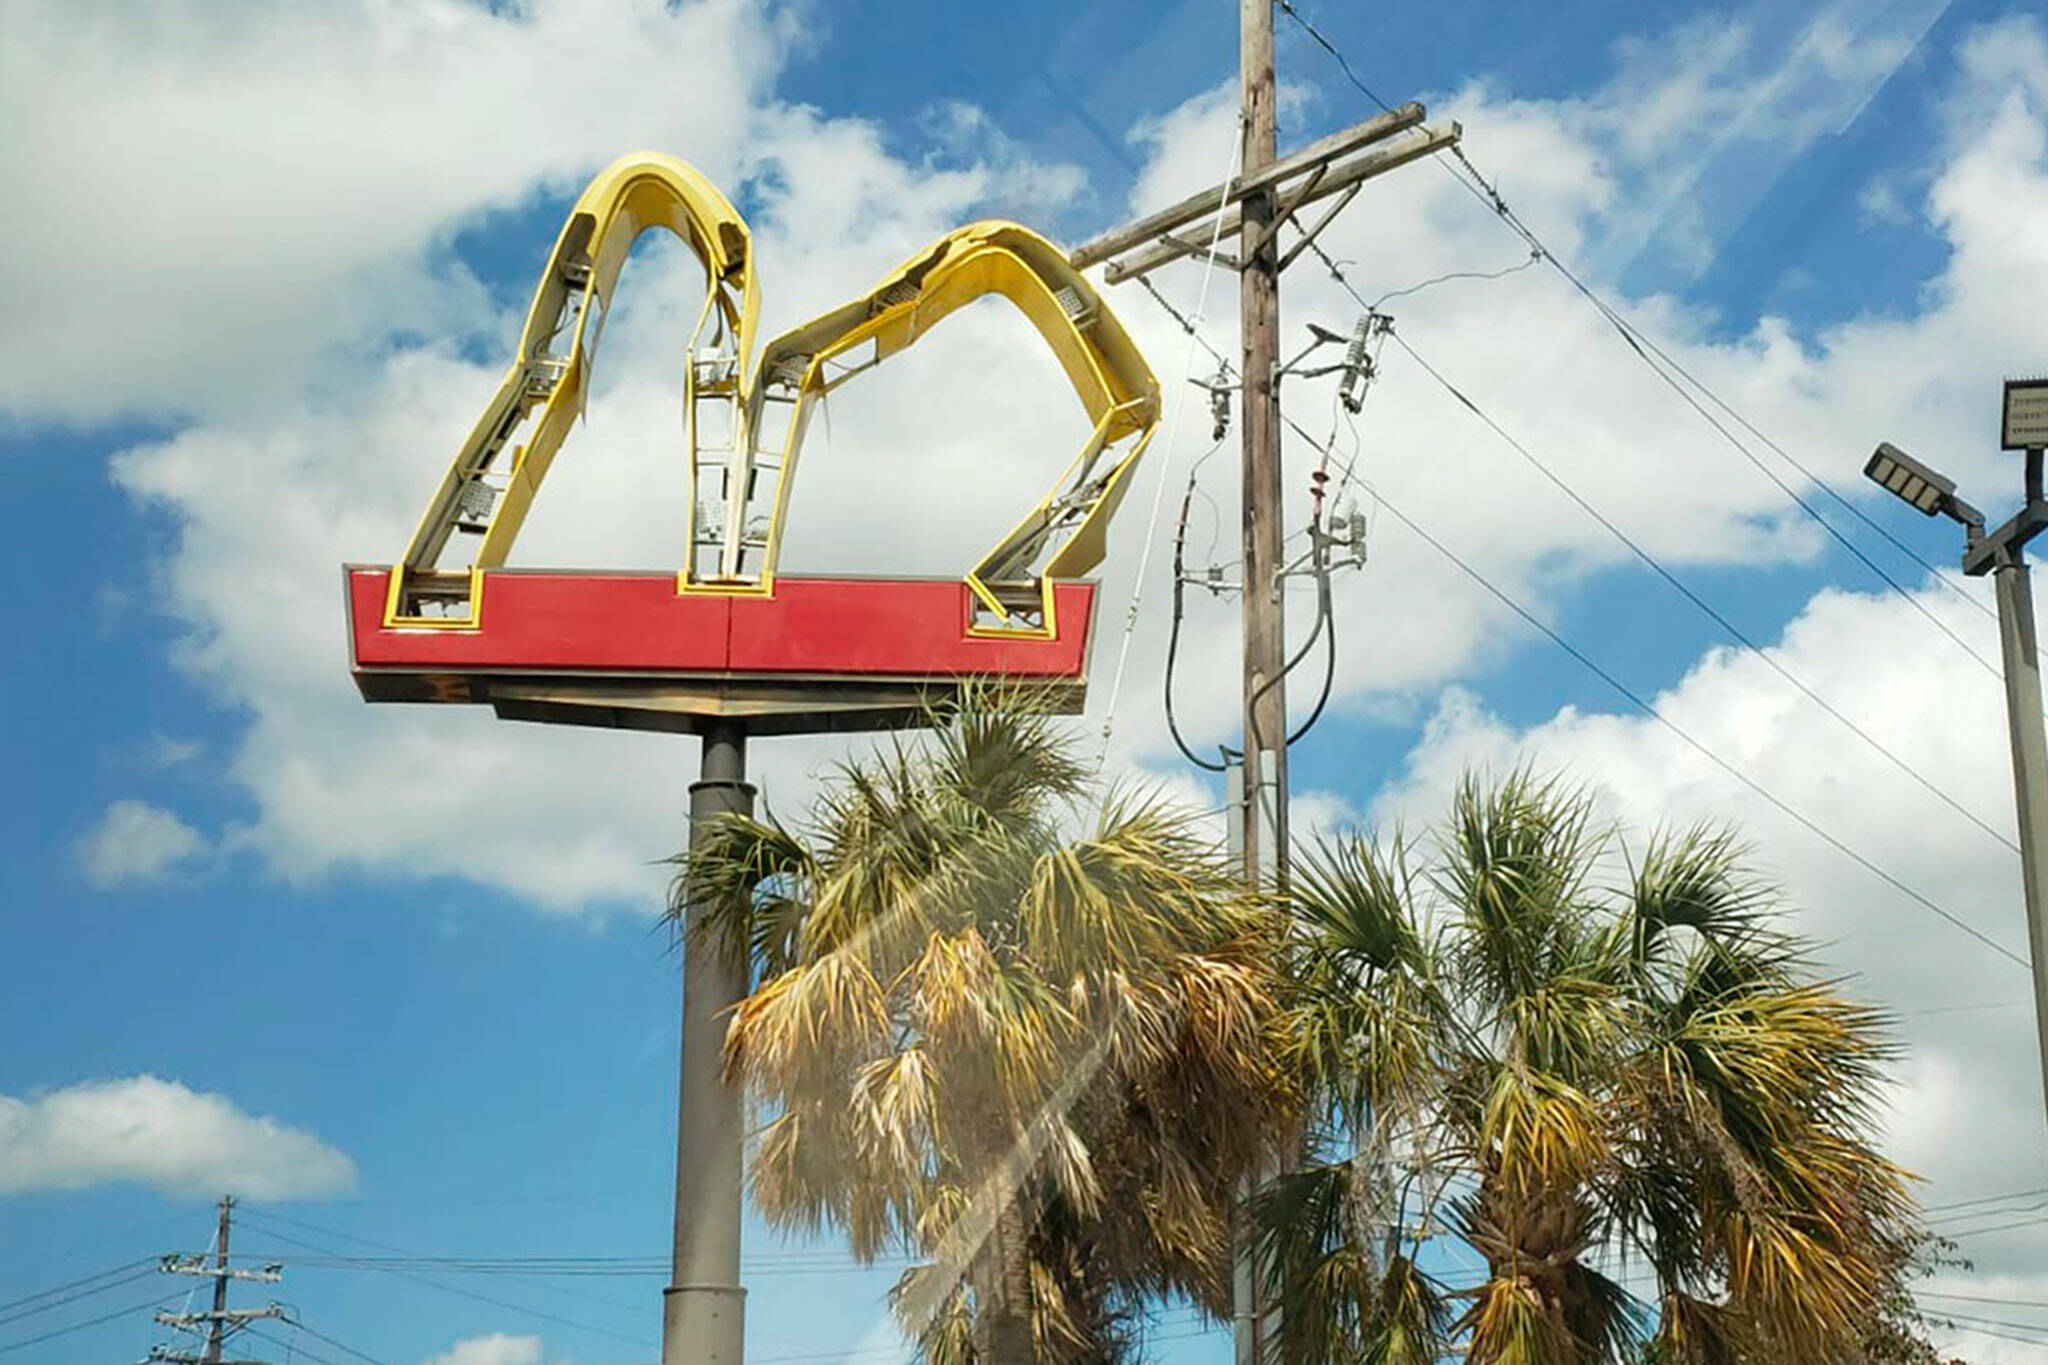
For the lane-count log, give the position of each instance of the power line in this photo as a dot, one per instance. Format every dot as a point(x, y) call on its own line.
point(1123, 653)
point(130, 1311)
point(76, 1295)
point(292, 1348)
point(1732, 770)
point(337, 1345)
point(1982, 1298)
point(1291, 12)
point(1656, 566)
point(1645, 349)
point(1450, 275)
point(521, 1308)
point(63, 1288)
point(1960, 1233)
point(1985, 1199)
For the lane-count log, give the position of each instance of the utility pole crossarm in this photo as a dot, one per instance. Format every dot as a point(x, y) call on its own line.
point(1338, 178)
point(1253, 181)
point(176, 1263)
point(1337, 164)
point(232, 1317)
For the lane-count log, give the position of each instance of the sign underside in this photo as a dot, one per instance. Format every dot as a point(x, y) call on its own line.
point(627, 650)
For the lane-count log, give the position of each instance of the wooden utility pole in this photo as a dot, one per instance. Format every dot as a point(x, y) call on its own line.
point(216, 1330)
point(218, 1323)
point(1267, 193)
point(1264, 603)
point(1265, 640)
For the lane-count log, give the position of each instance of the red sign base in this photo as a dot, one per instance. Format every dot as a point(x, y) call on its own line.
point(626, 650)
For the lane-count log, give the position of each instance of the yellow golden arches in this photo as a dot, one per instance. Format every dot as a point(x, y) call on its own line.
point(1062, 537)
point(499, 468)
point(746, 425)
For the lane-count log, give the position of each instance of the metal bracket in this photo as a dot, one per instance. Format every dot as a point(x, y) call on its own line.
point(1309, 235)
point(2006, 545)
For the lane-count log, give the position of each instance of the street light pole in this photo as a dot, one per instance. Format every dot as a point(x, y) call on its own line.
point(2029, 764)
point(2002, 554)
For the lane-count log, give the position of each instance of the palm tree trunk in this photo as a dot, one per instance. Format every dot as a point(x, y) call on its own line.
point(1002, 1292)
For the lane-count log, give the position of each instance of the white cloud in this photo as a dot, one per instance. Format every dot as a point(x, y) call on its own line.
point(160, 1134)
point(495, 1349)
point(137, 842)
point(227, 193)
point(971, 426)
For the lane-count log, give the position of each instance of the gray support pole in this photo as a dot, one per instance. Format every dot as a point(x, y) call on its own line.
point(704, 1307)
point(2029, 770)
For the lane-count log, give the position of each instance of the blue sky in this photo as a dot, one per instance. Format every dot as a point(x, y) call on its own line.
point(401, 971)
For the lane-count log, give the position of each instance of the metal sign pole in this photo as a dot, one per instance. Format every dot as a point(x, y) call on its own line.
point(704, 1306)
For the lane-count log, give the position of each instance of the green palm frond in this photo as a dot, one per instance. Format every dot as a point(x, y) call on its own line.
point(1035, 1031)
point(1647, 1068)
point(1696, 879)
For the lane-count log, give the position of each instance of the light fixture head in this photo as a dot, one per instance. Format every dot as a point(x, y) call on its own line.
point(2023, 425)
point(1912, 482)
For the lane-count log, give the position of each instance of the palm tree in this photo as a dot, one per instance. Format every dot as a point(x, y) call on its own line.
point(1029, 1031)
point(1616, 1088)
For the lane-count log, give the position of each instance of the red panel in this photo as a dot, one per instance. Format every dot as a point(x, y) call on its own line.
point(638, 623)
point(915, 628)
point(553, 621)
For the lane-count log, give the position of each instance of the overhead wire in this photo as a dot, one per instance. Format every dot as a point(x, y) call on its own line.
point(124, 1268)
point(76, 1295)
point(130, 1311)
point(1318, 557)
point(1699, 746)
point(1984, 1199)
point(1651, 354)
point(1706, 608)
point(525, 1309)
point(342, 1346)
point(1123, 652)
point(1450, 275)
point(293, 1349)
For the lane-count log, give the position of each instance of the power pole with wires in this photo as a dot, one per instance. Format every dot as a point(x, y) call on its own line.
point(1262, 199)
point(220, 1322)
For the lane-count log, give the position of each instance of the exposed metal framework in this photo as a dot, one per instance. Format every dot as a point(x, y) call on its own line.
point(746, 422)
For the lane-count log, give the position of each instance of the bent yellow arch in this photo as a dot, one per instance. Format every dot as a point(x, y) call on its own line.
point(746, 428)
point(1064, 535)
point(548, 383)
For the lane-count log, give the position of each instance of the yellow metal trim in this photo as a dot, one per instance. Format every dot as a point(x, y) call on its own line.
point(1046, 613)
point(395, 620)
point(543, 391)
point(632, 195)
point(1103, 365)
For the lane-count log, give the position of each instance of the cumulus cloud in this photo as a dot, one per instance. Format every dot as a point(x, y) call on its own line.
point(164, 1135)
point(137, 842)
point(255, 185)
point(495, 1349)
point(972, 424)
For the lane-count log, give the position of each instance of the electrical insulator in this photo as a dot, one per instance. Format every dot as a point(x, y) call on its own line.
point(1219, 407)
point(1357, 367)
point(1356, 522)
